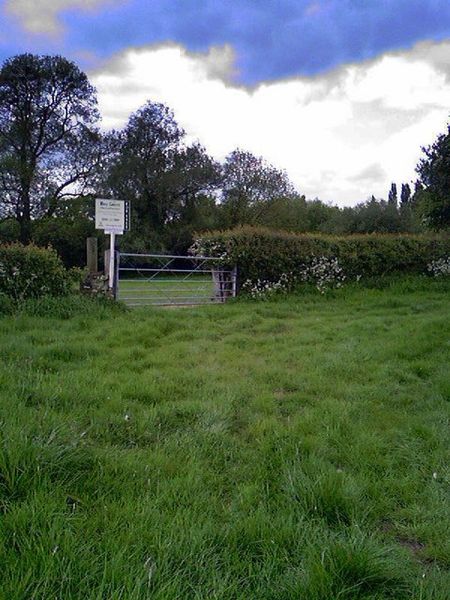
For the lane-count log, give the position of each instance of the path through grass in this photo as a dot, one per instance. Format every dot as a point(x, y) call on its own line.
point(288, 450)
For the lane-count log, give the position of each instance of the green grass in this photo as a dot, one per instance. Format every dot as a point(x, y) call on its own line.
point(168, 289)
point(295, 449)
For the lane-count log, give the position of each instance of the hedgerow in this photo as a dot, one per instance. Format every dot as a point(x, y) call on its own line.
point(265, 255)
point(31, 272)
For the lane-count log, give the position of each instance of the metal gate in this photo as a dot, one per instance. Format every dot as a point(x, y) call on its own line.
point(167, 280)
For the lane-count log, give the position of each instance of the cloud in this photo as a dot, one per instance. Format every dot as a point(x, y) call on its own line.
point(370, 174)
point(272, 38)
point(41, 16)
point(341, 136)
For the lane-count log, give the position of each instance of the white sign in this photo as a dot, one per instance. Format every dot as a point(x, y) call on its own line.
point(114, 217)
point(110, 215)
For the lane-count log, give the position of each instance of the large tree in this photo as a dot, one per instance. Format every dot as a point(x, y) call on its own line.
point(164, 179)
point(49, 145)
point(146, 148)
point(249, 182)
point(433, 187)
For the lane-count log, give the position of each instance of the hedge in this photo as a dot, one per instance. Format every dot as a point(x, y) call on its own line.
point(266, 254)
point(31, 272)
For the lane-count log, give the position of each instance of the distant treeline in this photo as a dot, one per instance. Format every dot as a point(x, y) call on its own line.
point(54, 160)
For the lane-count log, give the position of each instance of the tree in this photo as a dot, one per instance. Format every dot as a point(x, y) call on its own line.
point(392, 198)
point(433, 189)
point(376, 215)
point(163, 178)
point(249, 181)
point(145, 153)
point(49, 146)
point(191, 182)
point(193, 174)
point(405, 196)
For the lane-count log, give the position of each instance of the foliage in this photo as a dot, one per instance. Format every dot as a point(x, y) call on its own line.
point(434, 177)
point(7, 305)
point(405, 196)
point(324, 272)
point(265, 254)
point(295, 449)
point(392, 196)
point(67, 235)
point(49, 146)
point(263, 289)
point(439, 267)
point(31, 272)
point(296, 214)
point(161, 177)
point(249, 182)
point(9, 231)
point(65, 231)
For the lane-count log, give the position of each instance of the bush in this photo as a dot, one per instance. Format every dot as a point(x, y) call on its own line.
point(439, 267)
point(9, 231)
point(31, 272)
point(68, 237)
point(265, 255)
point(6, 305)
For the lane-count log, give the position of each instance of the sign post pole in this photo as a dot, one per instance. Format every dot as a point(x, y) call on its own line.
point(112, 252)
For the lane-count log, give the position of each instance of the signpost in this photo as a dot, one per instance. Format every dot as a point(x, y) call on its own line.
point(113, 216)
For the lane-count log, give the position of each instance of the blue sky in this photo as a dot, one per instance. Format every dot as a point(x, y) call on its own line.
point(340, 93)
point(272, 38)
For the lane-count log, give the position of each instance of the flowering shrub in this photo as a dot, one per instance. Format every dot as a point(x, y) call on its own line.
point(324, 272)
point(31, 272)
point(439, 267)
point(205, 247)
point(263, 289)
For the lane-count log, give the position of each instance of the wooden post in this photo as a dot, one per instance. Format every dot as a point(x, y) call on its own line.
point(92, 254)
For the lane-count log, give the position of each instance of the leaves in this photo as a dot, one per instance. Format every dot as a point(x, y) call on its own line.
point(49, 146)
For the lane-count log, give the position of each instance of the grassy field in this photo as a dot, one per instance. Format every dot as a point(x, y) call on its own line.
point(170, 289)
point(295, 449)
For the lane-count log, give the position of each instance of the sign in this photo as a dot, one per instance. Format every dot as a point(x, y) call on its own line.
point(112, 215)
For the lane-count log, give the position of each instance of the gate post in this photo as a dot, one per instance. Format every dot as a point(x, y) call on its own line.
point(116, 276)
point(92, 254)
point(234, 282)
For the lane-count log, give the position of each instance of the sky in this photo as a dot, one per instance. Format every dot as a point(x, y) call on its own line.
point(340, 93)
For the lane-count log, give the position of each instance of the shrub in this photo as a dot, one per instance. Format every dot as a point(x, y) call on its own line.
point(68, 237)
point(31, 272)
point(265, 255)
point(9, 231)
point(6, 305)
point(439, 267)
point(323, 272)
point(263, 289)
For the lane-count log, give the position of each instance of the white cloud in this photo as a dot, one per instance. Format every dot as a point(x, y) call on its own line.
point(41, 16)
point(341, 136)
